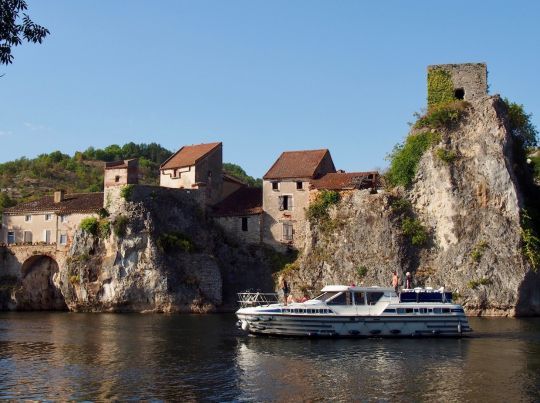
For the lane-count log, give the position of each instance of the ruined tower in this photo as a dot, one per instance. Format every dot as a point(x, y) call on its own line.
point(448, 82)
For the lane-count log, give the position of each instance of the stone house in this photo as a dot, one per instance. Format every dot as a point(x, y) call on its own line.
point(195, 167)
point(286, 194)
point(120, 173)
point(49, 220)
point(240, 214)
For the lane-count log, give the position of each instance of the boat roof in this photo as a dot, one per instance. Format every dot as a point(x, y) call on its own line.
point(338, 288)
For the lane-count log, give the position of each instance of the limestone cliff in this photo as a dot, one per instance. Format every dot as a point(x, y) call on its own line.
point(167, 258)
point(471, 207)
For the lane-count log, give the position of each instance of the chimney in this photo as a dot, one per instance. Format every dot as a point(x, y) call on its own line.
point(59, 196)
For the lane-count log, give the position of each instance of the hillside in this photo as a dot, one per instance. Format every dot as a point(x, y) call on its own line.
point(27, 179)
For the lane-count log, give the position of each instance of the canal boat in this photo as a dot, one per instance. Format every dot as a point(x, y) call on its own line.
point(355, 311)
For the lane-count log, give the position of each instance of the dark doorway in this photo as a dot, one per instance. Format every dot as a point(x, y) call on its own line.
point(459, 93)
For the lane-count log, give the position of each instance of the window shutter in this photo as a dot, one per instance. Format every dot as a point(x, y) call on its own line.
point(281, 203)
point(291, 203)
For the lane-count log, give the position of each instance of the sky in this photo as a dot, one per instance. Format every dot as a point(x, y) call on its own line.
point(263, 77)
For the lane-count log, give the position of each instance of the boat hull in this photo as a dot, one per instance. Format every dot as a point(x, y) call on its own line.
point(354, 326)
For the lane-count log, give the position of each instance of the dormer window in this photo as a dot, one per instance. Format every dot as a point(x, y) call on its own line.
point(275, 185)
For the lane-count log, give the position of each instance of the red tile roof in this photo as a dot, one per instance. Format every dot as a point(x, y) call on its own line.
point(245, 201)
point(345, 181)
point(189, 155)
point(72, 203)
point(121, 164)
point(296, 164)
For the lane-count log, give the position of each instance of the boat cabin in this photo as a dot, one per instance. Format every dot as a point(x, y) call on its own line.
point(351, 295)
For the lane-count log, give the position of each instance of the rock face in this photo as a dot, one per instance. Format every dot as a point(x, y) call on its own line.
point(471, 207)
point(170, 259)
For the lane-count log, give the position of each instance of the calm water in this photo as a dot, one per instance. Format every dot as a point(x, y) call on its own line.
point(107, 356)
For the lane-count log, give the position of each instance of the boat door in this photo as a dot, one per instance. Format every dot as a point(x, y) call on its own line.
point(360, 302)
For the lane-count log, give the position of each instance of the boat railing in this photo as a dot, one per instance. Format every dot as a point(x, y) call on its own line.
point(250, 299)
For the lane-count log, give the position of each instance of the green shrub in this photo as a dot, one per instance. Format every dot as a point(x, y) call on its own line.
point(361, 271)
point(103, 213)
point(445, 155)
point(442, 115)
point(104, 229)
point(318, 209)
point(120, 226)
point(126, 192)
point(520, 124)
point(74, 279)
point(175, 241)
point(414, 230)
point(530, 241)
point(478, 251)
point(401, 206)
point(536, 167)
point(89, 225)
point(440, 87)
point(404, 157)
point(474, 284)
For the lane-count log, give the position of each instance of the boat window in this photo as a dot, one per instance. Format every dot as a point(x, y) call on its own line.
point(457, 310)
point(339, 299)
point(373, 297)
point(360, 298)
point(409, 310)
point(446, 310)
point(401, 310)
point(437, 310)
point(389, 310)
point(326, 295)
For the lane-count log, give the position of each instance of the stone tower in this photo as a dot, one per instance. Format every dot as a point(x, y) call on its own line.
point(119, 173)
point(447, 82)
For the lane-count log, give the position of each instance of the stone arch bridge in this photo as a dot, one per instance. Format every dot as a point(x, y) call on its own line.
point(29, 274)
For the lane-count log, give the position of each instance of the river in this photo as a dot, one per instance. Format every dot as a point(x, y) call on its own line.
point(64, 356)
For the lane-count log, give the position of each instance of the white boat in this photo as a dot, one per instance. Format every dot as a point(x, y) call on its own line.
point(355, 311)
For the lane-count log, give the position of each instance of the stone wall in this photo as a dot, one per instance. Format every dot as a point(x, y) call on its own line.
point(471, 77)
point(233, 227)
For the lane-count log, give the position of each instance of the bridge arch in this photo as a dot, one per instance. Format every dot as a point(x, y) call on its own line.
point(38, 290)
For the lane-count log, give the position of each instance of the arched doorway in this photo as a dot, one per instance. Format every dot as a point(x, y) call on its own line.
point(38, 291)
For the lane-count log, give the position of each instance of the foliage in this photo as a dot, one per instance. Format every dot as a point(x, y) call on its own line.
point(120, 226)
point(442, 115)
point(361, 271)
point(445, 155)
point(175, 241)
point(104, 228)
point(520, 124)
point(535, 161)
point(404, 157)
point(440, 87)
point(89, 225)
point(279, 260)
point(103, 213)
point(318, 209)
point(74, 279)
point(474, 284)
point(478, 251)
point(401, 206)
point(239, 173)
point(289, 268)
point(126, 192)
point(530, 241)
point(413, 229)
point(5, 202)
point(14, 28)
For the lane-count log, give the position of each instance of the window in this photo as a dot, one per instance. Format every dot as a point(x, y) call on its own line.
point(47, 236)
point(275, 185)
point(27, 236)
point(285, 203)
point(359, 298)
point(340, 299)
point(299, 185)
point(373, 297)
point(10, 237)
point(63, 218)
point(459, 93)
point(27, 218)
point(117, 178)
point(63, 239)
point(48, 217)
point(287, 231)
point(244, 223)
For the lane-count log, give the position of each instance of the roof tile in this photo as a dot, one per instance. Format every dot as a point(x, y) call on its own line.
point(346, 181)
point(296, 164)
point(189, 155)
point(72, 203)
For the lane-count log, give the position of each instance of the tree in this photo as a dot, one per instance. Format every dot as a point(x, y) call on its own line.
point(14, 28)
point(521, 125)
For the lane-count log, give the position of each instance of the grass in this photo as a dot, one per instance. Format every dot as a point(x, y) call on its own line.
point(478, 251)
point(361, 271)
point(442, 115)
point(445, 155)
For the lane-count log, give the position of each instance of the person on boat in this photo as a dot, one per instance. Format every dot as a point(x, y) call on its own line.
point(286, 290)
point(408, 280)
point(395, 281)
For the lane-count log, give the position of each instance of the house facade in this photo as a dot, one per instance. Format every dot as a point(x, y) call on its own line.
point(195, 167)
point(49, 220)
point(286, 194)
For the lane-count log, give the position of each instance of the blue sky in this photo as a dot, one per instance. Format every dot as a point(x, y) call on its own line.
point(261, 76)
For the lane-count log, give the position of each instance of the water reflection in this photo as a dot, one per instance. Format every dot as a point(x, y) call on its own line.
point(101, 357)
